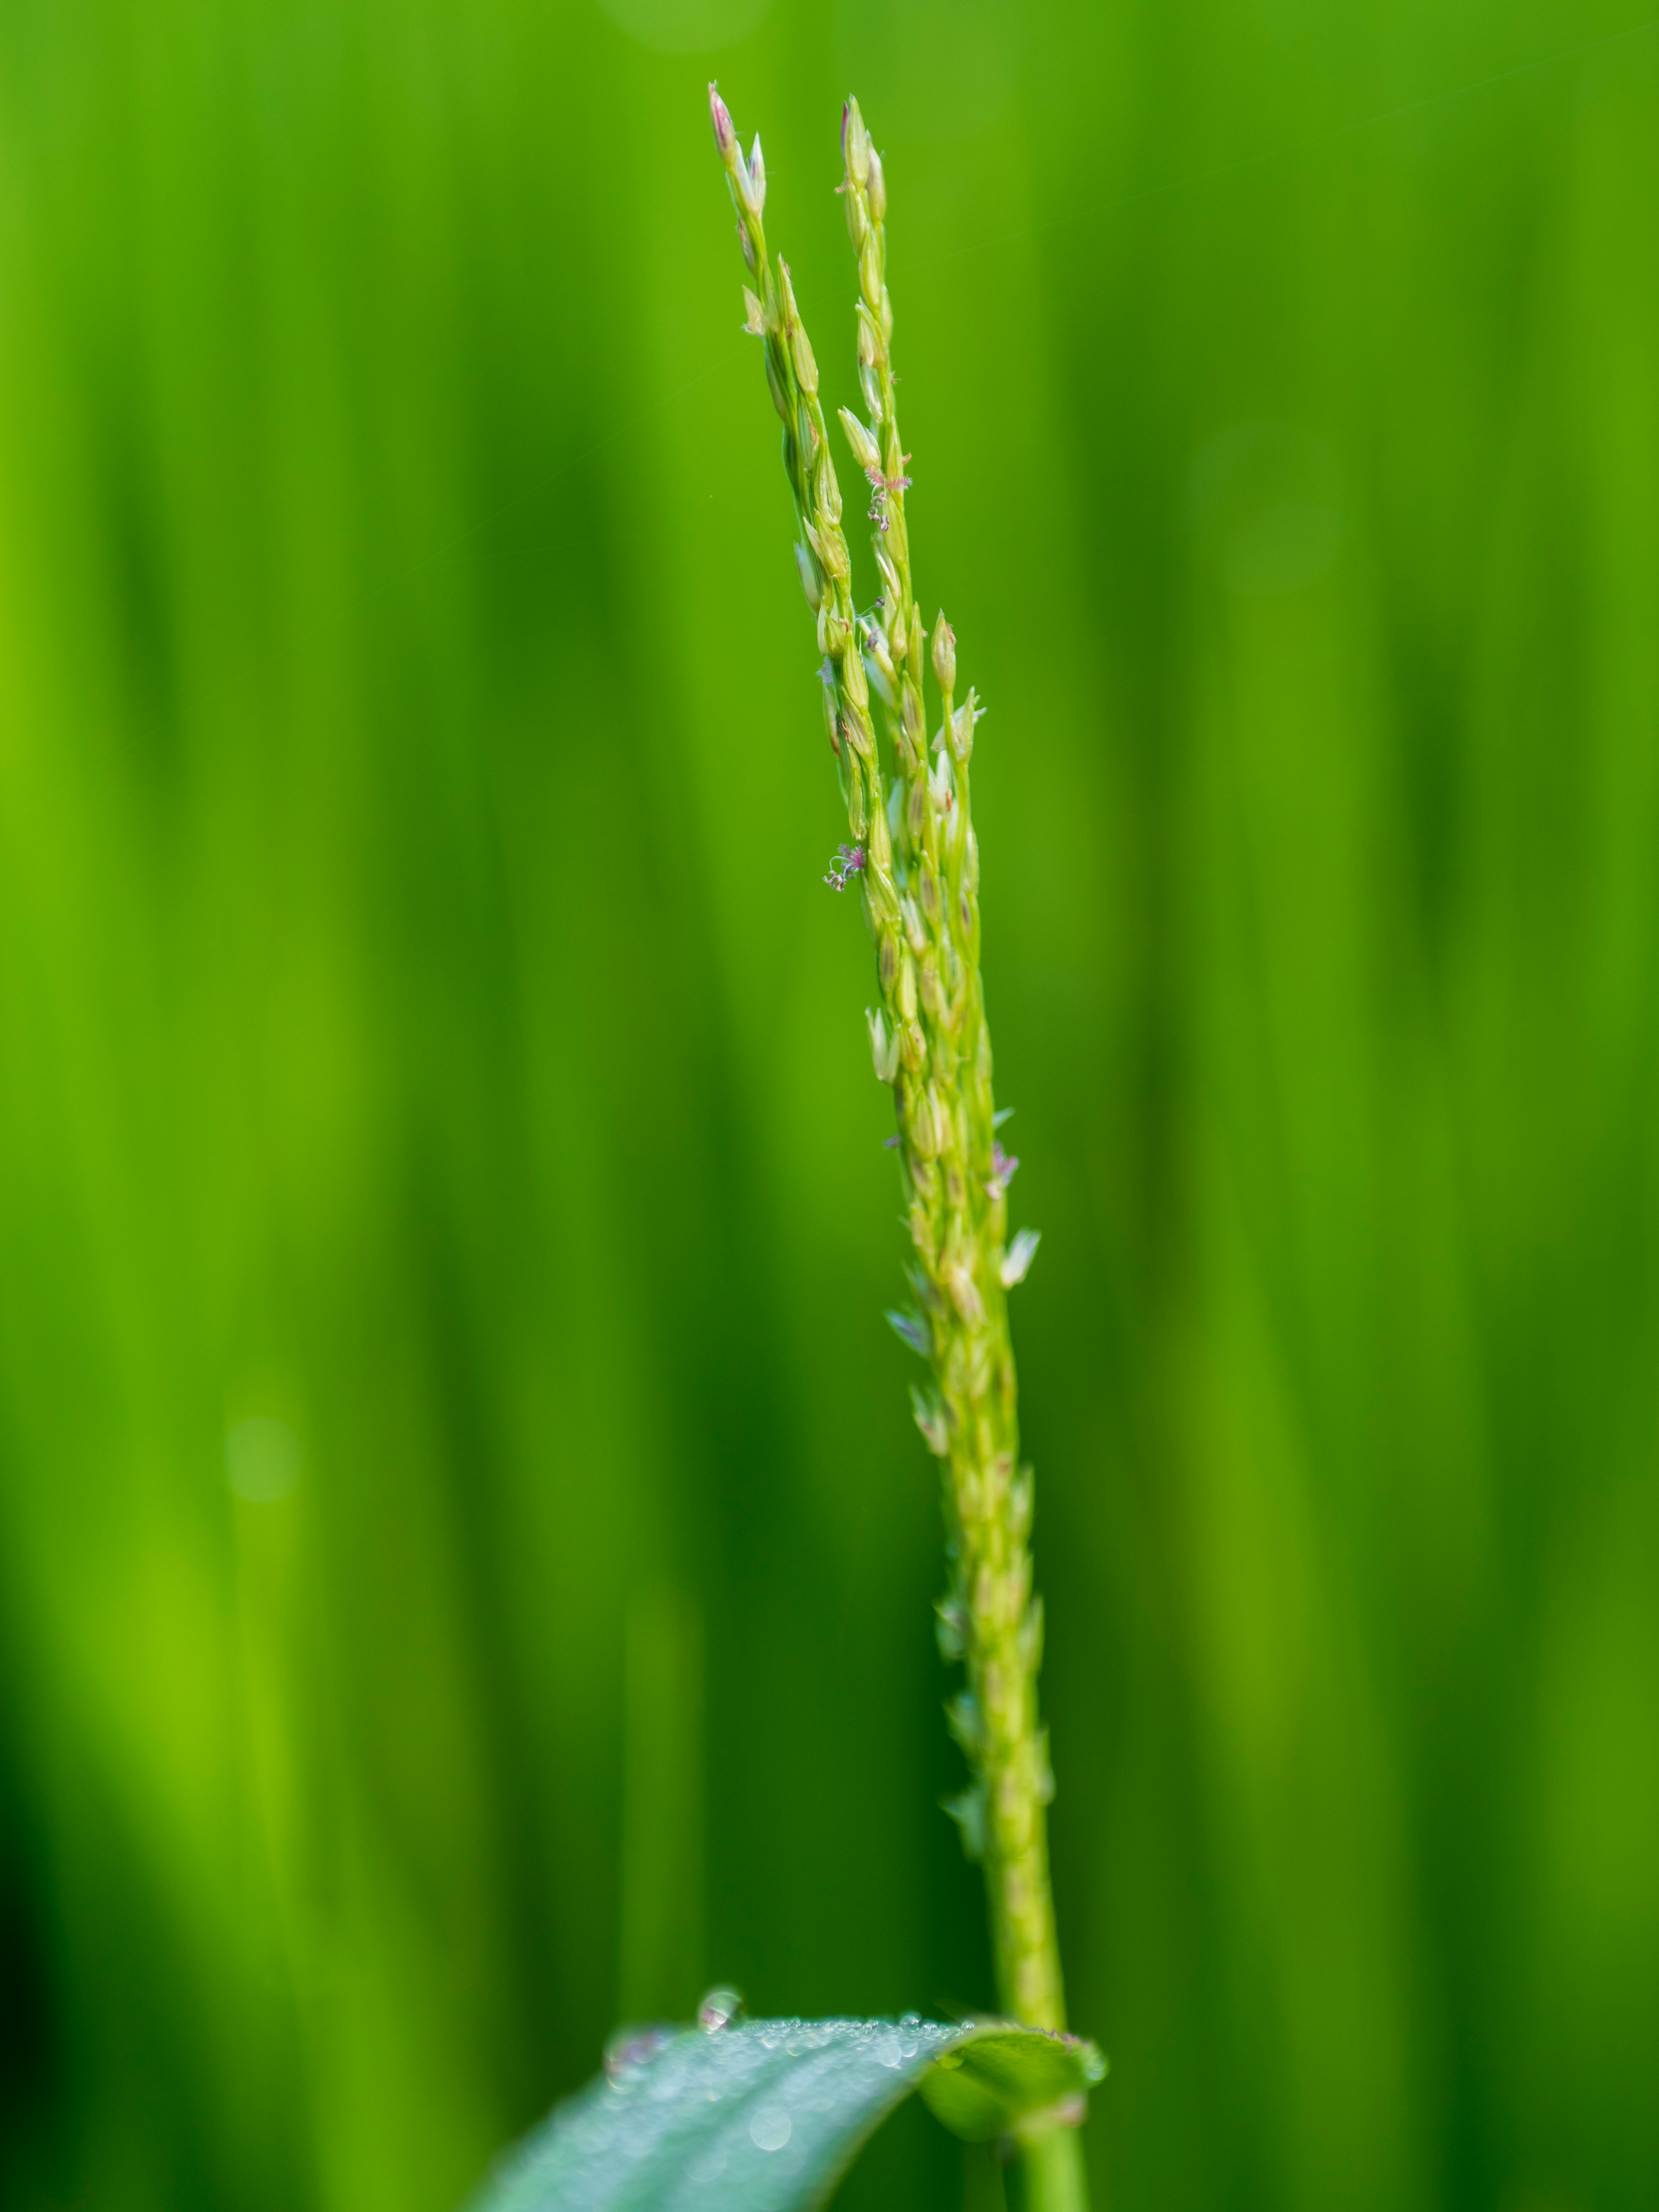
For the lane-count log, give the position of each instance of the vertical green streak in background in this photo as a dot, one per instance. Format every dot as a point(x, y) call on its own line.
point(661, 1871)
point(413, 1033)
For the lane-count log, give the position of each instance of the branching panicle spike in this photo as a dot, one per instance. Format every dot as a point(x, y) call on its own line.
point(917, 859)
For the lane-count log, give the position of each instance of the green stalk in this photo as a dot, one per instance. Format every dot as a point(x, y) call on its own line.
point(917, 859)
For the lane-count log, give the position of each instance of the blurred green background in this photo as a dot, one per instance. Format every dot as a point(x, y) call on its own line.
point(465, 1559)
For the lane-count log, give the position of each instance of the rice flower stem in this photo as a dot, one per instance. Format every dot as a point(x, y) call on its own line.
point(917, 859)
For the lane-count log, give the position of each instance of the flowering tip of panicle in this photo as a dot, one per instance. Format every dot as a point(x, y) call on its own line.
point(855, 143)
point(719, 115)
point(748, 182)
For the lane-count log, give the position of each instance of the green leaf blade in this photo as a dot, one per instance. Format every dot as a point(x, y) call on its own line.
point(765, 2116)
point(985, 2085)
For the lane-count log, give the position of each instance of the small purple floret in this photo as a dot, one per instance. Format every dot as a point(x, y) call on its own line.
point(1004, 1166)
point(848, 863)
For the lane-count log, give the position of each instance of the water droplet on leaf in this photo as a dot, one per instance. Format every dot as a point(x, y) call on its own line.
point(631, 2050)
point(718, 2008)
point(770, 2129)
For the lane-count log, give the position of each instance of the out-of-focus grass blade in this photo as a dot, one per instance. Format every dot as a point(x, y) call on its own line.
point(765, 2116)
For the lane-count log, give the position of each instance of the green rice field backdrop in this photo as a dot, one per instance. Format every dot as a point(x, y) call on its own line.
point(466, 1567)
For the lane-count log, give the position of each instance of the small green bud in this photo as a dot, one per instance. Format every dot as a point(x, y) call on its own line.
point(910, 1329)
point(866, 452)
point(939, 1130)
point(870, 271)
point(951, 1627)
point(964, 1294)
point(920, 1228)
point(904, 997)
point(941, 786)
point(855, 143)
point(754, 318)
point(881, 844)
point(929, 889)
point(897, 534)
point(811, 581)
point(1020, 1495)
point(743, 185)
point(967, 1809)
point(857, 223)
point(807, 367)
point(961, 727)
point(944, 654)
point(855, 795)
point(1016, 1589)
point(998, 1476)
point(827, 693)
point(825, 485)
point(776, 386)
point(931, 1420)
point(915, 729)
point(875, 186)
point(966, 1722)
point(883, 1046)
point(887, 959)
point(757, 174)
point(831, 549)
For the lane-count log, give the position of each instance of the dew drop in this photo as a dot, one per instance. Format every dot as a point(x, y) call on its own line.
point(718, 2008)
point(770, 2129)
point(631, 2050)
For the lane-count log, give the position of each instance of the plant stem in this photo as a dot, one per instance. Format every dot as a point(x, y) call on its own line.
point(919, 863)
point(1051, 2173)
